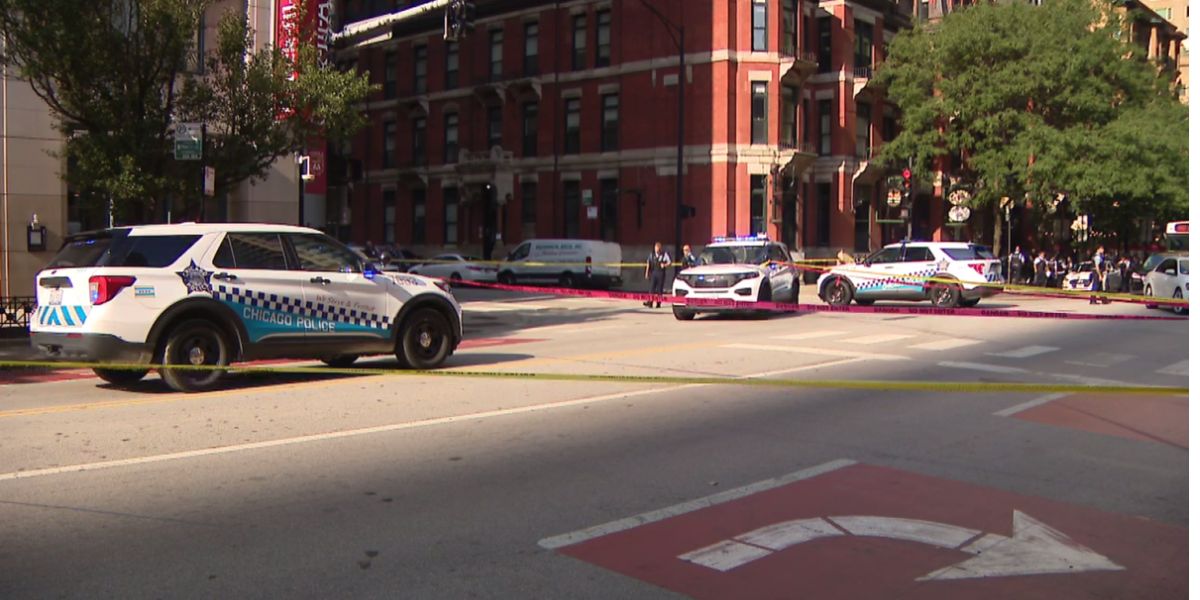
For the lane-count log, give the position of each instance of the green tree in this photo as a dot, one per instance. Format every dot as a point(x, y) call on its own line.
point(118, 75)
point(1038, 101)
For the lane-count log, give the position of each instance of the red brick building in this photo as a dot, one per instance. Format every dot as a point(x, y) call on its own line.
point(558, 119)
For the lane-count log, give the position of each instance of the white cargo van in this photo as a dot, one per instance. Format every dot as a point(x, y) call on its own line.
point(568, 263)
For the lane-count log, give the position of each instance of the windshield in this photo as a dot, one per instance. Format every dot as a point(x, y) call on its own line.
point(1176, 242)
point(1183, 267)
point(733, 255)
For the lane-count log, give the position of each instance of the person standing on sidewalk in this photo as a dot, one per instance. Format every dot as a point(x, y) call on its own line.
point(1099, 272)
point(656, 272)
point(1041, 269)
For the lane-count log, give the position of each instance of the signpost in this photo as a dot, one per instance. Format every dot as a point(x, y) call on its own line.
point(189, 145)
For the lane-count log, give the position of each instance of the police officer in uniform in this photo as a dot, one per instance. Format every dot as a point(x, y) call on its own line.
point(688, 260)
point(656, 272)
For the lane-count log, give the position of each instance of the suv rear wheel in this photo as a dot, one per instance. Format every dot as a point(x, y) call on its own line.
point(944, 295)
point(201, 346)
point(425, 341)
point(121, 376)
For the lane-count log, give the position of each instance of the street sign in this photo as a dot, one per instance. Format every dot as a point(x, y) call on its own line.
point(189, 141)
point(210, 181)
point(958, 214)
point(893, 198)
point(593, 213)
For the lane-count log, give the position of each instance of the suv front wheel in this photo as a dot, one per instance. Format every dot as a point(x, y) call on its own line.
point(425, 341)
point(201, 348)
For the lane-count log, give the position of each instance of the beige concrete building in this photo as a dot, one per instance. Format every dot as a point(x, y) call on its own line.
point(31, 174)
point(1176, 13)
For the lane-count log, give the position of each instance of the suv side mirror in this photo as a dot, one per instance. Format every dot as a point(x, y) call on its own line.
point(370, 270)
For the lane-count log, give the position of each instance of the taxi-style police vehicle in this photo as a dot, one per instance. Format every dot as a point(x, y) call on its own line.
point(947, 274)
point(208, 295)
point(741, 269)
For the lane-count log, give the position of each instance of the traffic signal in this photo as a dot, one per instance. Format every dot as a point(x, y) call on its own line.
point(687, 211)
point(906, 176)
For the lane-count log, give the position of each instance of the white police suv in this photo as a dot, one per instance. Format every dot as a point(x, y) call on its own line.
point(947, 274)
point(207, 295)
point(740, 269)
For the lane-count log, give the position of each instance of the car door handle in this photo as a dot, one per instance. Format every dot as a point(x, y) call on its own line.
point(321, 280)
point(225, 276)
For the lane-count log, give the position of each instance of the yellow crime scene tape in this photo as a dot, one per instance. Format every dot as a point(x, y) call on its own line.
point(845, 384)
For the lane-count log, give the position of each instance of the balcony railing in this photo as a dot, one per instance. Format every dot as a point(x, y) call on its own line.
point(15, 312)
point(863, 72)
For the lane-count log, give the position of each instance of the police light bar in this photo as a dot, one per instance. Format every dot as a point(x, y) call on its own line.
point(758, 237)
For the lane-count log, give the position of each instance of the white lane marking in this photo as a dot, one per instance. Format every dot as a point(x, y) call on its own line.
point(1102, 360)
point(1179, 368)
point(808, 335)
point(1025, 352)
point(784, 535)
point(583, 535)
point(982, 367)
point(333, 435)
point(942, 535)
point(883, 338)
point(816, 351)
point(725, 555)
point(1012, 410)
point(948, 344)
point(1034, 548)
point(1080, 379)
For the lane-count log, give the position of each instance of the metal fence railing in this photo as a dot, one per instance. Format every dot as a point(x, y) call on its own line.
point(15, 312)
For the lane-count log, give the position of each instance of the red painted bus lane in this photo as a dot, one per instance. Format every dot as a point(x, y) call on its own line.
point(864, 531)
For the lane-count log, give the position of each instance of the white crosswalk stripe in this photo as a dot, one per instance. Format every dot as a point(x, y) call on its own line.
point(947, 344)
point(808, 335)
point(817, 351)
point(1102, 360)
point(1179, 368)
point(882, 338)
point(1025, 352)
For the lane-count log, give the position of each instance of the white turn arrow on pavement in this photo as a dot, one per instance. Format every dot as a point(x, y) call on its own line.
point(1034, 548)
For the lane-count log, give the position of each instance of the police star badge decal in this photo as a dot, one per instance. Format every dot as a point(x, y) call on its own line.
point(196, 279)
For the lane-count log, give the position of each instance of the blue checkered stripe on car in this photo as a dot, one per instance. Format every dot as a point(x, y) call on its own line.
point(906, 280)
point(296, 306)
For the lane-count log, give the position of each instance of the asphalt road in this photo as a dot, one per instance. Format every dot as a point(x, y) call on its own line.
point(398, 486)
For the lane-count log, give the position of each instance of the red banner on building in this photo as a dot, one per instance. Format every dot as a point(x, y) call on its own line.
point(315, 28)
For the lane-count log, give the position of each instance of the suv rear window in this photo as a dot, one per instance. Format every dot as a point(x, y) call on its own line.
point(116, 248)
point(969, 253)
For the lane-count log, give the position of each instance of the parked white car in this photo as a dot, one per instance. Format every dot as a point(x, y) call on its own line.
point(1169, 280)
point(455, 268)
point(211, 294)
point(947, 274)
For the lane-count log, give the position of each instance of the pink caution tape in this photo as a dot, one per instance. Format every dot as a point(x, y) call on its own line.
point(790, 307)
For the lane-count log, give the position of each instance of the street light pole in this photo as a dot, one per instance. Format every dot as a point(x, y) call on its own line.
point(677, 32)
